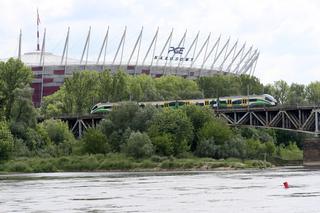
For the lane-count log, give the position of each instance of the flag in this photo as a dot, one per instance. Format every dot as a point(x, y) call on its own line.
point(38, 17)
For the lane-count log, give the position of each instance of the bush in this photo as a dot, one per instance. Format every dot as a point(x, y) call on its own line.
point(163, 144)
point(94, 141)
point(139, 145)
point(290, 152)
point(216, 129)
point(57, 131)
point(254, 148)
point(175, 123)
point(207, 148)
point(6, 141)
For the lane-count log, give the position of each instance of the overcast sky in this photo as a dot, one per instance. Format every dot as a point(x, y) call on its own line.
point(286, 32)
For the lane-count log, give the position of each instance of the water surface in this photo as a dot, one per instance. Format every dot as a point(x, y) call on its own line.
point(219, 191)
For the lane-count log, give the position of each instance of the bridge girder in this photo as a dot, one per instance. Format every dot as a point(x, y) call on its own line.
point(302, 119)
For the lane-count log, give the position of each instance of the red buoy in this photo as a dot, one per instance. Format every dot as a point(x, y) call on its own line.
point(286, 185)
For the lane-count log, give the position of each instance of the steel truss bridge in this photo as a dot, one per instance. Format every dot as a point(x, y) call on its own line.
point(295, 118)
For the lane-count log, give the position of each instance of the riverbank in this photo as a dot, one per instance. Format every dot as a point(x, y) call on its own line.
point(119, 162)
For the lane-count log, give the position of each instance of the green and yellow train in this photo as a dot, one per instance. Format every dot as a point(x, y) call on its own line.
point(264, 100)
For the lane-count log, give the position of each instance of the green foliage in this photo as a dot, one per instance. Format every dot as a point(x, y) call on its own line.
point(173, 87)
point(257, 150)
point(206, 148)
point(13, 76)
point(6, 141)
point(94, 142)
point(198, 116)
point(313, 92)
point(148, 87)
point(285, 137)
point(120, 85)
point(105, 86)
point(281, 91)
point(23, 110)
point(53, 105)
point(233, 147)
point(163, 144)
point(139, 145)
point(290, 152)
point(81, 91)
point(142, 118)
point(215, 86)
point(216, 129)
point(250, 82)
point(56, 131)
point(297, 94)
point(122, 116)
point(175, 123)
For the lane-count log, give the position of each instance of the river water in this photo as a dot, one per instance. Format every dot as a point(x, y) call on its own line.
point(218, 191)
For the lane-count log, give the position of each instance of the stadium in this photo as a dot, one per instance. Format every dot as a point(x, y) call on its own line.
point(172, 54)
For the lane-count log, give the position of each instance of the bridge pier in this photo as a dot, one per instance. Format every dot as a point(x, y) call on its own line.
point(311, 151)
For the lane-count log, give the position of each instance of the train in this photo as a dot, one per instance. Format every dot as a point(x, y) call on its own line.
point(264, 100)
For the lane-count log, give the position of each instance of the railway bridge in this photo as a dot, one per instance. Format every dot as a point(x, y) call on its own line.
point(305, 119)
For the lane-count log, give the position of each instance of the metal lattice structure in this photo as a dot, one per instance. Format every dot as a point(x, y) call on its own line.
point(302, 119)
point(294, 118)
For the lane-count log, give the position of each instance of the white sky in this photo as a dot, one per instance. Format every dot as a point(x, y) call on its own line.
point(285, 31)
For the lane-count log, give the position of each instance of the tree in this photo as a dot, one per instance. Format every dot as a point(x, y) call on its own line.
point(143, 117)
point(297, 94)
point(123, 115)
point(23, 110)
point(175, 123)
point(135, 90)
point(13, 75)
point(216, 129)
point(54, 104)
point(163, 144)
point(57, 131)
point(250, 82)
point(105, 86)
point(174, 87)
point(148, 87)
point(120, 86)
point(80, 91)
point(95, 142)
point(6, 141)
point(313, 92)
point(198, 116)
point(139, 145)
point(281, 91)
point(219, 85)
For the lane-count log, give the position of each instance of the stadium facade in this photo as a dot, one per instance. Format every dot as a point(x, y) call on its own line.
point(189, 58)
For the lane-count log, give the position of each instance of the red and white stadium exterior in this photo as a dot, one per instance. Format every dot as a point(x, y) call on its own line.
point(194, 60)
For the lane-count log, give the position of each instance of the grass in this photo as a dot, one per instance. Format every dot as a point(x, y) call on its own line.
point(120, 162)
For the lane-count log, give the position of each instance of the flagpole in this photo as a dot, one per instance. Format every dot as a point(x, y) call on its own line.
point(38, 22)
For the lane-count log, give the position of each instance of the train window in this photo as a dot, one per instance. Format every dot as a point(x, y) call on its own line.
point(222, 102)
point(236, 102)
point(268, 99)
point(166, 104)
point(229, 101)
point(252, 99)
point(213, 102)
point(206, 102)
point(200, 104)
point(244, 101)
point(95, 107)
point(172, 104)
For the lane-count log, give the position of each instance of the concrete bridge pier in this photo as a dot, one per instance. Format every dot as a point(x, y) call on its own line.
point(311, 151)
